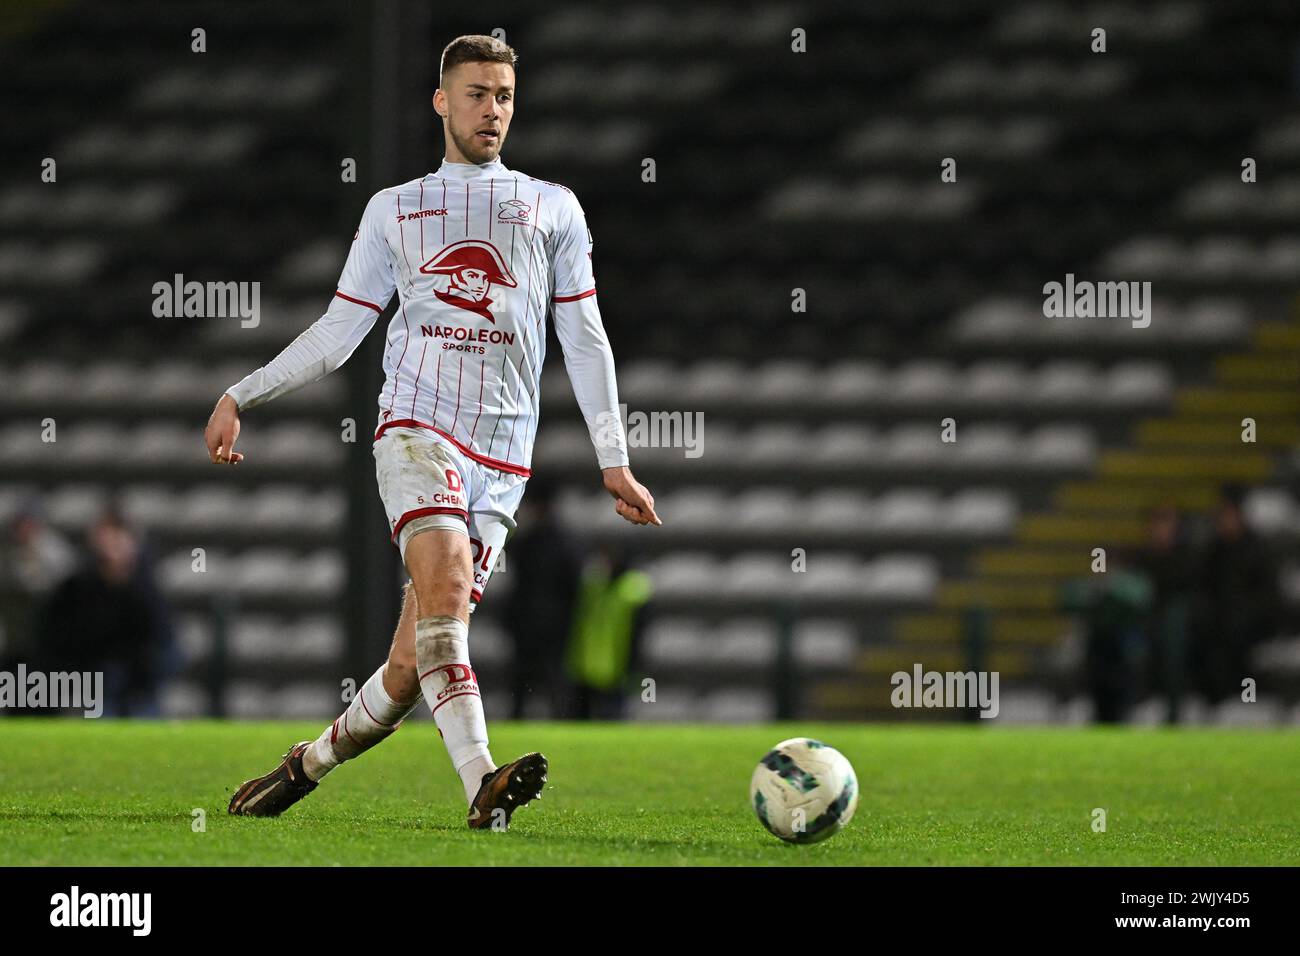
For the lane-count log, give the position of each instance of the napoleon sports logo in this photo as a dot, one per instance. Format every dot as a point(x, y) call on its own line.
point(472, 266)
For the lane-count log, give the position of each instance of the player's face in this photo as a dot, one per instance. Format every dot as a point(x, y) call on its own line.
point(473, 281)
point(477, 105)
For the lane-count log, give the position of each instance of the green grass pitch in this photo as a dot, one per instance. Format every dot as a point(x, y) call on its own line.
point(80, 792)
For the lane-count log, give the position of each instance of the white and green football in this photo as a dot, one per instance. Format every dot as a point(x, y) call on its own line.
point(803, 791)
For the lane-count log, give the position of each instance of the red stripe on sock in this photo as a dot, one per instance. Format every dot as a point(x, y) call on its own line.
point(361, 694)
point(464, 693)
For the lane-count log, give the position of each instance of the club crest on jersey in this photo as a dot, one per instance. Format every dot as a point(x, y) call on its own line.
point(473, 265)
point(514, 210)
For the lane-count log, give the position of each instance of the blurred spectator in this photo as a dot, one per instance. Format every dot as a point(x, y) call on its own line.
point(544, 566)
point(606, 627)
point(1167, 559)
point(34, 559)
point(1114, 606)
point(109, 616)
point(1237, 600)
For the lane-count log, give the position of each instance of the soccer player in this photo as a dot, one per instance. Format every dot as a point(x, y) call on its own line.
point(477, 253)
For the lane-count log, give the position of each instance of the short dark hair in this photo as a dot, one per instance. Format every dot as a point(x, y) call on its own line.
point(475, 48)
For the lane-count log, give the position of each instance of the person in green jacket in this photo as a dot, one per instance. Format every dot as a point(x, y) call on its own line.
point(602, 644)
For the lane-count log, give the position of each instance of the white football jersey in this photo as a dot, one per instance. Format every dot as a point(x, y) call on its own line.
point(477, 256)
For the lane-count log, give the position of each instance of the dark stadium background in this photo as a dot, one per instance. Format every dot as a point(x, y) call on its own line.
point(775, 171)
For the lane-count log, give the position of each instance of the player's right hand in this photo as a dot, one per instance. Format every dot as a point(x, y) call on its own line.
point(632, 500)
point(222, 430)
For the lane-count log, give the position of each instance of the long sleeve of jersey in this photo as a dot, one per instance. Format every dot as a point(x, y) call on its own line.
point(587, 355)
point(365, 286)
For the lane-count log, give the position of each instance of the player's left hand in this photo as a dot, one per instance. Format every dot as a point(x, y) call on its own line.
point(632, 500)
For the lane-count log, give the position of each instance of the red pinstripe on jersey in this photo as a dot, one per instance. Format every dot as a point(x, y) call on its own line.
point(460, 377)
point(537, 212)
point(482, 368)
point(423, 352)
point(405, 324)
point(437, 388)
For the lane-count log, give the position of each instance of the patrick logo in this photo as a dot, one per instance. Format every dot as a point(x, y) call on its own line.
point(472, 265)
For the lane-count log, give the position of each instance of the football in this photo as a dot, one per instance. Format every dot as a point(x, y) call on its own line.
point(803, 791)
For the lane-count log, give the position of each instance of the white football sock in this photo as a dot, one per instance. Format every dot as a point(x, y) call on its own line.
point(371, 717)
point(451, 691)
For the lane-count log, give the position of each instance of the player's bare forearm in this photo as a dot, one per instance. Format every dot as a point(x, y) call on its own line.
point(222, 430)
point(632, 500)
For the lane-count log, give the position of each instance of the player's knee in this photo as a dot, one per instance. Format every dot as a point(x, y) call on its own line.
point(401, 679)
point(448, 595)
point(401, 664)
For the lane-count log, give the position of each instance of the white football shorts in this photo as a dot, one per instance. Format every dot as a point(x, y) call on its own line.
point(426, 482)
